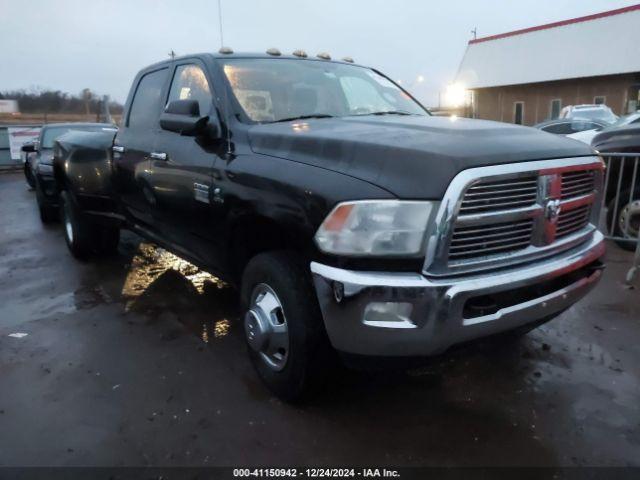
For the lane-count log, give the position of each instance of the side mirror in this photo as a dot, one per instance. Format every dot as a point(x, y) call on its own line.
point(183, 117)
point(28, 148)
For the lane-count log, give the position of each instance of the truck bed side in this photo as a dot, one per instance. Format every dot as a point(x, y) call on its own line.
point(82, 166)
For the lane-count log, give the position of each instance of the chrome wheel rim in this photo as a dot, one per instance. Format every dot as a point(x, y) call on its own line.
point(630, 213)
point(266, 329)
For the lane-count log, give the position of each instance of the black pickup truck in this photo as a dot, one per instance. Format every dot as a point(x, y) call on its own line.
point(349, 218)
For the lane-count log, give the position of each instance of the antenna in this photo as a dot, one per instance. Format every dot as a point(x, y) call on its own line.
point(474, 31)
point(220, 22)
point(226, 94)
point(172, 54)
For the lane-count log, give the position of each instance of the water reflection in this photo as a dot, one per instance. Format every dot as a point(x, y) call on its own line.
point(158, 282)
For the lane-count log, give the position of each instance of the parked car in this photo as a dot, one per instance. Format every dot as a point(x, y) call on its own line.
point(626, 208)
point(39, 164)
point(568, 126)
point(587, 136)
point(349, 218)
point(591, 112)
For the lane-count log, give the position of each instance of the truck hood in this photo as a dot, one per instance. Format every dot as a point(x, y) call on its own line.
point(619, 139)
point(410, 156)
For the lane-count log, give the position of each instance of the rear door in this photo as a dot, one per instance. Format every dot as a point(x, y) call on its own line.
point(133, 146)
point(183, 171)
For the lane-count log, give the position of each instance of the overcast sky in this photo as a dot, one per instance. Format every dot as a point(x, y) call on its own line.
point(100, 44)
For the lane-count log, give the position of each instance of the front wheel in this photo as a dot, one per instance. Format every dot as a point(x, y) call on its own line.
point(284, 331)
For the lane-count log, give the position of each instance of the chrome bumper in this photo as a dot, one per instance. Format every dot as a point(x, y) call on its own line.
point(434, 317)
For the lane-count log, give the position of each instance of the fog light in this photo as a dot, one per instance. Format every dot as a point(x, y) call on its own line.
point(388, 315)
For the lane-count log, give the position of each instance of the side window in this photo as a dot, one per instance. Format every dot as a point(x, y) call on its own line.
point(599, 100)
point(145, 108)
point(580, 126)
point(190, 83)
point(559, 128)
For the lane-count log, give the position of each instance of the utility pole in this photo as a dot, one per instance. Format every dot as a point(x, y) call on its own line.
point(86, 97)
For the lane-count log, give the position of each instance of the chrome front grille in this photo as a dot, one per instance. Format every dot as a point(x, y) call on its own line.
point(580, 182)
point(572, 221)
point(469, 242)
point(505, 214)
point(499, 195)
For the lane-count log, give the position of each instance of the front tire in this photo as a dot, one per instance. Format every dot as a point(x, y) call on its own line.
point(285, 334)
point(626, 211)
point(84, 237)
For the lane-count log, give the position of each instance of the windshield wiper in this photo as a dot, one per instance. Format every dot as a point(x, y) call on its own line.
point(303, 117)
point(390, 112)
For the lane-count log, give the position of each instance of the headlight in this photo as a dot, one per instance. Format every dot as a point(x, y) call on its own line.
point(375, 228)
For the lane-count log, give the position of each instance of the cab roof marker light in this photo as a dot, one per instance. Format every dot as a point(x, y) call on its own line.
point(347, 59)
point(274, 51)
point(300, 53)
point(225, 50)
point(324, 56)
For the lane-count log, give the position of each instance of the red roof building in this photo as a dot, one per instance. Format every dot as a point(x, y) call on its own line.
point(527, 76)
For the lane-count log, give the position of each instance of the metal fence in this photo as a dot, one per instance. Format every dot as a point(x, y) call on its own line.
point(621, 208)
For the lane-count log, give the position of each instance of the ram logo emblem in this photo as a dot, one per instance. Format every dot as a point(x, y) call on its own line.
point(552, 210)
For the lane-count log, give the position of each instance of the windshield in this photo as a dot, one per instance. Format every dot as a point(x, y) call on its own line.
point(594, 114)
point(272, 90)
point(50, 134)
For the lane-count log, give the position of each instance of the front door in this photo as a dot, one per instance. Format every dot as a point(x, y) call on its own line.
point(134, 144)
point(183, 178)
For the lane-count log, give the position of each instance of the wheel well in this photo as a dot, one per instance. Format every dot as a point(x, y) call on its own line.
point(253, 235)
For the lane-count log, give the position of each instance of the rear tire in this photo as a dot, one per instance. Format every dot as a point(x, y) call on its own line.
point(84, 237)
point(625, 209)
point(284, 330)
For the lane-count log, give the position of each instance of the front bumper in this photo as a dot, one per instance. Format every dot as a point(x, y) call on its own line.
point(439, 311)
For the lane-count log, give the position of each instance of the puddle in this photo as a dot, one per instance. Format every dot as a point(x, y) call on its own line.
point(167, 288)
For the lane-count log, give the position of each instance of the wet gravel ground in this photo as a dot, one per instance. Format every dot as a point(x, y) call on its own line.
point(139, 360)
